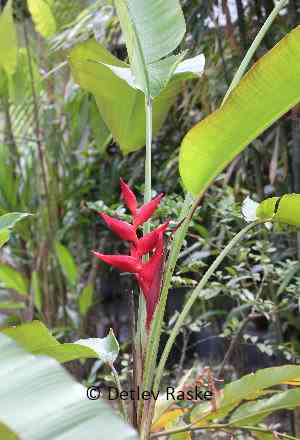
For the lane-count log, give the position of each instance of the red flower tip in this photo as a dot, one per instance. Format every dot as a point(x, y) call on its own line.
point(123, 229)
point(145, 212)
point(128, 197)
point(122, 262)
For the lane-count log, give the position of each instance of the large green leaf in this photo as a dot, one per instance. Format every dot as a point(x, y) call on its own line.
point(248, 387)
point(269, 90)
point(253, 412)
point(8, 40)
point(42, 16)
point(35, 338)
point(12, 279)
point(152, 30)
point(121, 106)
point(39, 400)
point(8, 221)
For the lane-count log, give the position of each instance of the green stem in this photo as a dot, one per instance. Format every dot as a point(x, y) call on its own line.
point(119, 386)
point(148, 177)
point(220, 427)
point(154, 337)
point(194, 296)
point(251, 51)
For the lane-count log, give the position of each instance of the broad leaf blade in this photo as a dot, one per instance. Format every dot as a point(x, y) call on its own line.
point(121, 106)
point(35, 338)
point(152, 30)
point(268, 91)
point(59, 407)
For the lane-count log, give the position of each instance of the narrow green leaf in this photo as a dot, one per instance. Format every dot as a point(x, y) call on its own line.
point(8, 40)
point(59, 406)
point(67, 263)
point(86, 299)
point(42, 16)
point(8, 221)
point(12, 279)
point(4, 236)
point(268, 91)
point(107, 348)
point(36, 290)
point(11, 306)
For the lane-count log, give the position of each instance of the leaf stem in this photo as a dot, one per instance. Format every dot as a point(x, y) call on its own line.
point(194, 296)
point(148, 164)
point(251, 51)
point(119, 386)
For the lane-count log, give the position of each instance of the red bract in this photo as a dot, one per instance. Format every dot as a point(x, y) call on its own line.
point(128, 197)
point(123, 229)
point(148, 274)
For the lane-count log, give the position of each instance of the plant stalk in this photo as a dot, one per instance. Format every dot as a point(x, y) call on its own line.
point(119, 386)
point(194, 296)
point(256, 43)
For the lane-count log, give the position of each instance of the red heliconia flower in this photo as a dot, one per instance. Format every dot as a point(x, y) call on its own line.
point(148, 274)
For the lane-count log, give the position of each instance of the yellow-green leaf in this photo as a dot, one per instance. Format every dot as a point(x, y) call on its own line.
point(12, 279)
point(43, 17)
point(67, 263)
point(268, 91)
point(284, 209)
point(8, 40)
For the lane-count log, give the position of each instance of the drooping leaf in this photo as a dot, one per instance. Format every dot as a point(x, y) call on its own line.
point(8, 221)
point(107, 348)
point(35, 338)
point(8, 40)
point(12, 279)
point(42, 16)
point(120, 105)
point(86, 299)
point(67, 263)
point(268, 91)
point(59, 407)
point(152, 30)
